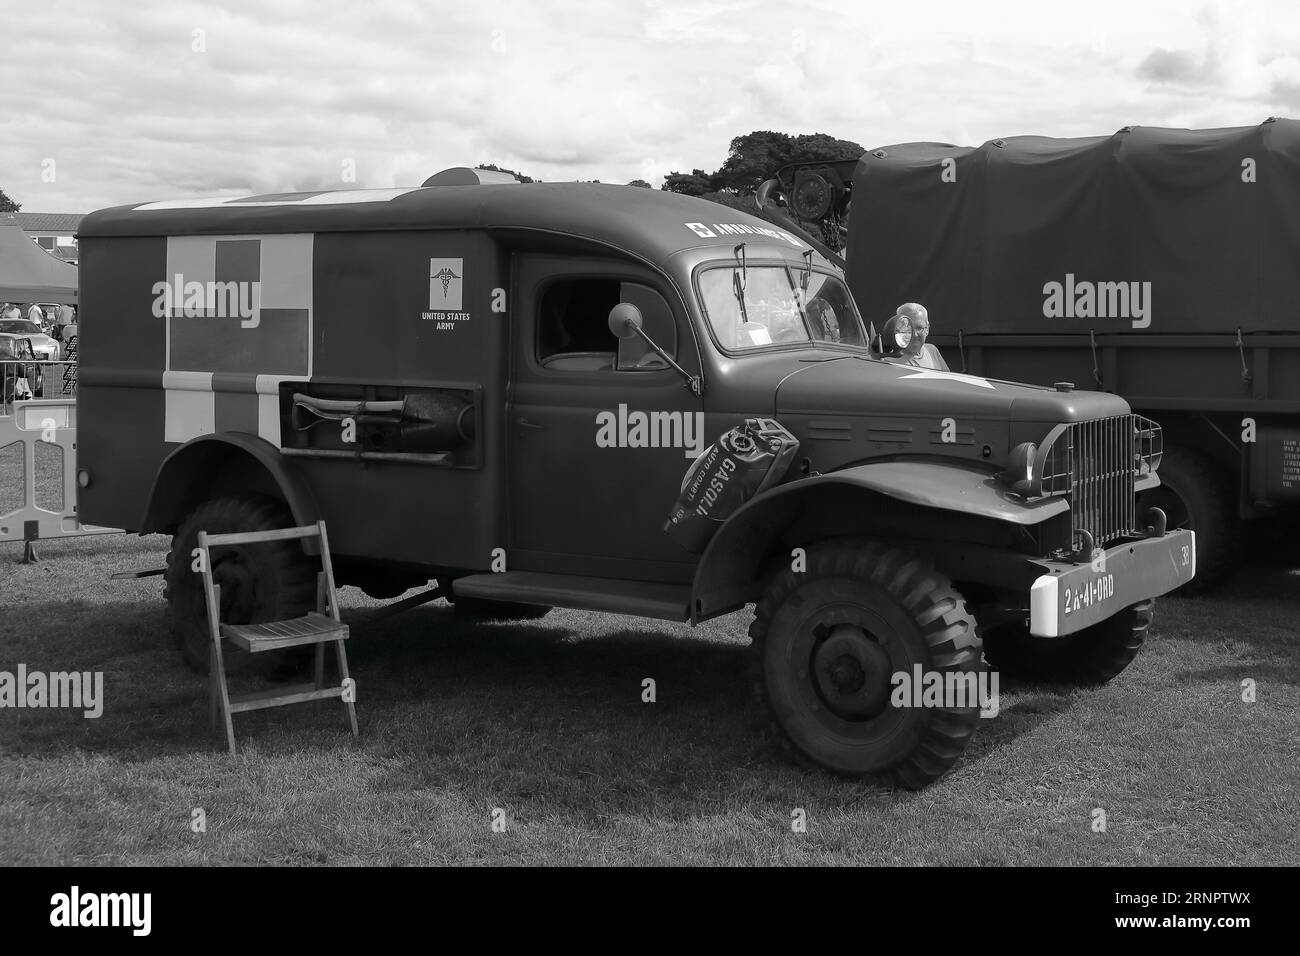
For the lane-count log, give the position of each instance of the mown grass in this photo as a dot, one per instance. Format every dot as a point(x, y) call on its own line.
point(545, 721)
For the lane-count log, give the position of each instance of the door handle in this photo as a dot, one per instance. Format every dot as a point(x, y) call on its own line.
point(527, 424)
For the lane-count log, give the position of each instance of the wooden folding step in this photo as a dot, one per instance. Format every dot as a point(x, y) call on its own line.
point(311, 628)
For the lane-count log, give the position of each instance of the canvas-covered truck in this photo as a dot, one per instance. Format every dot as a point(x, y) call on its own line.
point(1162, 265)
point(612, 399)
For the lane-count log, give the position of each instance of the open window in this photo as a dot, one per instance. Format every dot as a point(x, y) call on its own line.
point(573, 326)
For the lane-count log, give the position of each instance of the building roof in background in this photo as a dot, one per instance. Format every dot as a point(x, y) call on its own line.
point(64, 223)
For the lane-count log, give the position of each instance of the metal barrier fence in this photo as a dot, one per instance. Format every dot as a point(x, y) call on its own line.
point(38, 379)
point(38, 454)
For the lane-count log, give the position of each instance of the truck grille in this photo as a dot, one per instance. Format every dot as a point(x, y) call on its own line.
point(1096, 463)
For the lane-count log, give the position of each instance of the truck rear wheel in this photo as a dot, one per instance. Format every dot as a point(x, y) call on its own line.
point(1090, 657)
point(1196, 493)
point(259, 582)
point(826, 643)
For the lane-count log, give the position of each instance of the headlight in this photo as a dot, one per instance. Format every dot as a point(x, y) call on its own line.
point(1021, 473)
point(903, 332)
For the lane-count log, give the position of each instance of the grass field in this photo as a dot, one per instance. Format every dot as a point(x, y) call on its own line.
point(545, 722)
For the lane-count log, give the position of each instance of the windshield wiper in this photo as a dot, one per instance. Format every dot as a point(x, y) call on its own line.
point(739, 276)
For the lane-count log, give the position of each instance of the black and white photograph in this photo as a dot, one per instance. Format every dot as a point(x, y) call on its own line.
point(748, 434)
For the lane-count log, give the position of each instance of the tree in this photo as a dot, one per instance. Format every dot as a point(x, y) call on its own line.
point(7, 204)
point(820, 148)
point(695, 183)
point(641, 183)
point(753, 158)
point(757, 156)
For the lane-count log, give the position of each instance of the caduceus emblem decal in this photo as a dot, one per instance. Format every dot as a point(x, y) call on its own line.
point(446, 275)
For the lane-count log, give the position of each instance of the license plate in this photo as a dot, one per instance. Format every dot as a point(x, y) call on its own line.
point(1087, 594)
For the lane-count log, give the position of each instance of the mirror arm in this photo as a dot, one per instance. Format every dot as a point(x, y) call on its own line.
point(693, 382)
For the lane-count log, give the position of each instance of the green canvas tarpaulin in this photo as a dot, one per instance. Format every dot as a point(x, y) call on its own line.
point(30, 274)
point(1209, 218)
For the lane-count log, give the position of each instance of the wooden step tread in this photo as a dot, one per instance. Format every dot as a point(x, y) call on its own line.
point(311, 628)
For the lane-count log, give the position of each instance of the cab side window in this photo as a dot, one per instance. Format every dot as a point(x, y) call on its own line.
point(573, 326)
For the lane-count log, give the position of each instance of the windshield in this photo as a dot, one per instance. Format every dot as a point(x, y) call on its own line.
point(19, 327)
point(764, 305)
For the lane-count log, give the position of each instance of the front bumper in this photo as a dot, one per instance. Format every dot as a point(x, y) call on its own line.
point(1070, 597)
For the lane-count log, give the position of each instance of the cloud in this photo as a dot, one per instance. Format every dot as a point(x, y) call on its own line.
point(1174, 66)
point(156, 100)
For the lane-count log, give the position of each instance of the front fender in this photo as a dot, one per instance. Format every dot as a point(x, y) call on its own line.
point(878, 497)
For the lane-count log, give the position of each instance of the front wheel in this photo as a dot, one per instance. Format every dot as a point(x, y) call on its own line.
point(837, 648)
point(1090, 657)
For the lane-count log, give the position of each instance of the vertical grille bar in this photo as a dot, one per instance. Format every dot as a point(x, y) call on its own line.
point(1108, 463)
point(1131, 458)
point(1085, 469)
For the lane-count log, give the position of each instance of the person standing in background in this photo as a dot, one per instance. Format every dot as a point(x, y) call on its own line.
point(62, 321)
point(34, 314)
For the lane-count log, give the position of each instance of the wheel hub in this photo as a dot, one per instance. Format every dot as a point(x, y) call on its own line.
point(851, 673)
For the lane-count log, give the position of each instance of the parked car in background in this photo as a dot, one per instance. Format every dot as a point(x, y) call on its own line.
point(44, 347)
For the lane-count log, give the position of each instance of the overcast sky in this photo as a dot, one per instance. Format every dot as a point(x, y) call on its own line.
point(106, 103)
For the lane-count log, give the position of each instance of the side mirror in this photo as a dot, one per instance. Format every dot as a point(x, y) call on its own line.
point(625, 320)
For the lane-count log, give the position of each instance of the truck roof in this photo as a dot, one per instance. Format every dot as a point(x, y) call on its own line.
point(649, 223)
point(1007, 236)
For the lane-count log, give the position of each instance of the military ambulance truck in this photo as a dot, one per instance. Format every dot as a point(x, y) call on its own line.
point(509, 390)
point(1159, 264)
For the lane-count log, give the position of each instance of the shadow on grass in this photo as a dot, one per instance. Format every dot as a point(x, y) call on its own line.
point(551, 707)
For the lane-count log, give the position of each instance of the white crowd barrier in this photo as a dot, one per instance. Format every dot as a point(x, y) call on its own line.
point(36, 435)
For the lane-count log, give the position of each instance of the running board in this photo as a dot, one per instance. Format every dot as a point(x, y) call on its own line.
point(666, 602)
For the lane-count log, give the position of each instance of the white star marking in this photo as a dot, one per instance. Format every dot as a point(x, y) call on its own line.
point(931, 374)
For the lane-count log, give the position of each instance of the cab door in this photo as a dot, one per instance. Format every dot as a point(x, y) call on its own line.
point(600, 431)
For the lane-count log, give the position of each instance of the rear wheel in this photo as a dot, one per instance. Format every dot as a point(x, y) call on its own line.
point(259, 582)
point(827, 642)
point(1197, 494)
point(1089, 657)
